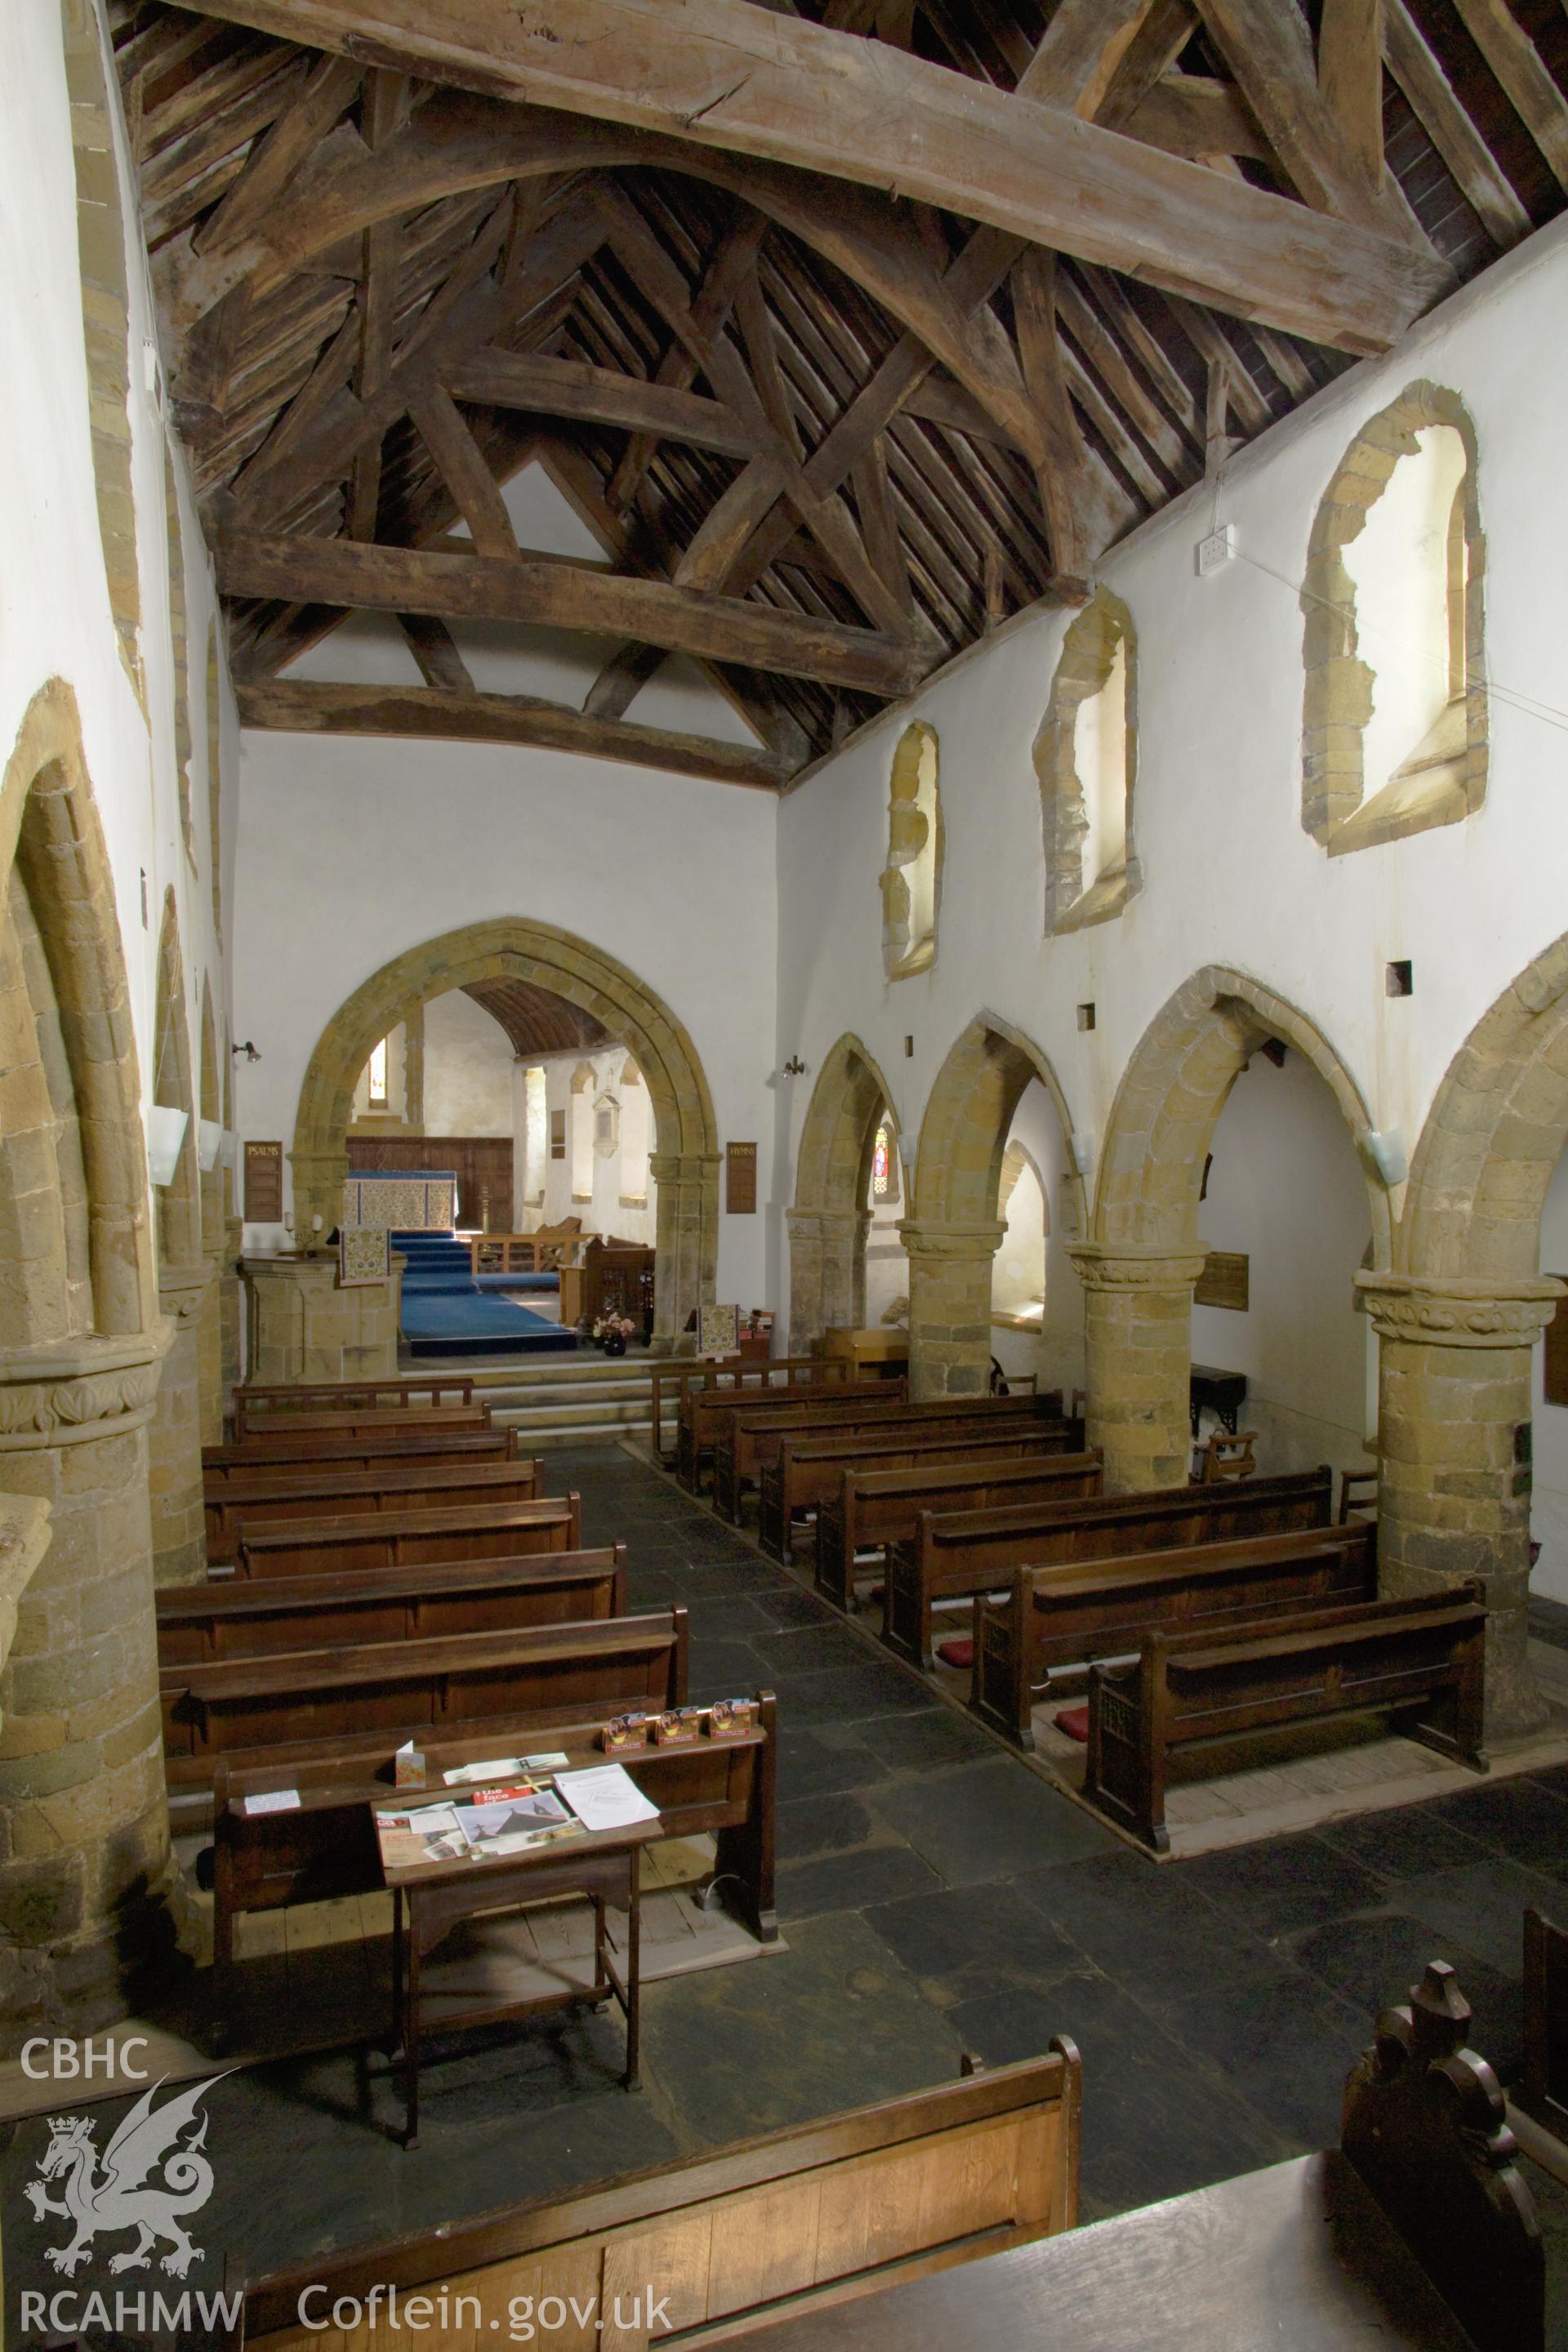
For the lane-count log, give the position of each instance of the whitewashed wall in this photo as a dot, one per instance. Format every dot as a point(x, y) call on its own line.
point(1229, 875)
point(468, 1068)
point(54, 614)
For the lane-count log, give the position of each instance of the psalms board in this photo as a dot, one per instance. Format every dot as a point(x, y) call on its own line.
point(264, 1184)
point(1226, 1281)
point(740, 1178)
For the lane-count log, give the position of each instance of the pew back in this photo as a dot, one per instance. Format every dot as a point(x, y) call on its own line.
point(878, 1507)
point(705, 1412)
point(807, 1466)
point(744, 1446)
point(1053, 1618)
point(672, 1382)
point(815, 2213)
point(1546, 2023)
point(287, 1457)
point(367, 1421)
point(329, 1491)
point(256, 1402)
point(959, 1554)
point(574, 1673)
point(259, 1616)
point(335, 1547)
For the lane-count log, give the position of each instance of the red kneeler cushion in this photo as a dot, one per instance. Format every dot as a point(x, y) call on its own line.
point(1073, 1720)
point(956, 1653)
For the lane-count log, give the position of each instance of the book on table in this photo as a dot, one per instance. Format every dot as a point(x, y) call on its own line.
point(510, 1817)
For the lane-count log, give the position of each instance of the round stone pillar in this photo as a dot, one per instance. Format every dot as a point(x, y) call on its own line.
point(950, 1305)
point(686, 1223)
point(1138, 1359)
point(209, 1352)
point(1454, 1449)
point(827, 1272)
point(87, 1880)
point(175, 1442)
point(232, 1355)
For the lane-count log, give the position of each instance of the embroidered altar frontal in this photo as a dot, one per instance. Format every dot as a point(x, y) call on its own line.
point(414, 1203)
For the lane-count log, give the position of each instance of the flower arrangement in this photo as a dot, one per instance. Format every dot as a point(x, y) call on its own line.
point(612, 1332)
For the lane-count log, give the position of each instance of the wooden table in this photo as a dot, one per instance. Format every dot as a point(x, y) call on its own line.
point(882, 1348)
point(1224, 1393)
point(1298, 2258)
point(429, 1899)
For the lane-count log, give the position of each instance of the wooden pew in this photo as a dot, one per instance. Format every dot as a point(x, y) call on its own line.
point(256, 1403)
point(800, 2218)
point(257, 1616)
point(878, 1507)
point(704, 1410)
point(304, 1431)
point(1063, 1617)
point(335, 1547)
point(1545, 2096)
point(745, 1444)
point(327, 1849)
point(326, 1490)
point(732, 1375)
point(286, 1457)
point(1422, 1660)
point(808, 1465)
point(956, 1556)
point(566, 1673)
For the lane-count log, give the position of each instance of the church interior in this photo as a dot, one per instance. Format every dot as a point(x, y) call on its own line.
point(783, 1174)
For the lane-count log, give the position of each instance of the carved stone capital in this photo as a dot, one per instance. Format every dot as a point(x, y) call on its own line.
point(928, 1237)
point(79, 1389)
point(827, 1225)
point(1458, 1312)
point(182, 1289)
point(683, 1167)
point(1102, 1267)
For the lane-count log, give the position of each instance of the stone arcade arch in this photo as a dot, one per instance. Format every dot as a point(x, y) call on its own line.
point(829, 1221)
point(214, 1188)
point(185, 1273)
point(1139, 1267)
point(685, 1163)
point(1457, 1319)
point(85, 1883)
point(956, 1231)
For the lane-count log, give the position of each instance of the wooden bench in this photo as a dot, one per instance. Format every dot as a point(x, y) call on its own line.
point(1545, 2090)
point(257, 1616)
point(564, 1674)
point(1188, 1695)
point(875, 1507)
point(744, 1445)
point(731, 1375)
point(1059, 1618)
point(807, 2216)
point(807, 1468)
point(256, 1403)
point(329, 1491)
point(954, 1556)
point(302, 1428)
point(327, 1849)
point(704, 1409)
point(335, 1547)
point(292, 1458)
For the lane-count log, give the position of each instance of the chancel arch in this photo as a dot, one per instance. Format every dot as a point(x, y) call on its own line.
point(684, 1163)
point(955, 1225)
point(1143, 1254)
point(829, 1217)
point(84, 1884)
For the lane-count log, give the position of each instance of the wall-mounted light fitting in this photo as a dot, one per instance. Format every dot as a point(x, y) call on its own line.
point(248, 1049)
point(795, 1067)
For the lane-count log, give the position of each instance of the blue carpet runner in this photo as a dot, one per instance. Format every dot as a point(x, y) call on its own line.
point(447, 1311)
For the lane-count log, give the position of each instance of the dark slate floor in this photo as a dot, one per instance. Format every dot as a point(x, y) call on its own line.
point(937, 1897)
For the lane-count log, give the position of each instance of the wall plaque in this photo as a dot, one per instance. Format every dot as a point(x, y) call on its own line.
point(558, 1135)
point(1226, 1281)
point(264, 1184)
point(740, 1178)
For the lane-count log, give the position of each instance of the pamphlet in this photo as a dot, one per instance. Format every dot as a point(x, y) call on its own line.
point(276, 1801)
point(506, 1818)
point(606, 1796)
point(500, 1767)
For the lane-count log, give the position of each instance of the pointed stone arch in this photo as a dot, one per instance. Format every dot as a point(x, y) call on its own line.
point(685, 1165)
point(829, 1219)
point(179, 1203)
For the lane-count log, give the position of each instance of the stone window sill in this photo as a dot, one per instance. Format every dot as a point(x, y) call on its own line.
point(1100, 903)
point(1414, 800)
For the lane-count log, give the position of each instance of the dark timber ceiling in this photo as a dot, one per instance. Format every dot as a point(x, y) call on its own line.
point(536, 1022)
point(826, 435)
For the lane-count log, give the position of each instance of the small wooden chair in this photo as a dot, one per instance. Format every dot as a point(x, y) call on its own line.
point(1223, 1456)
point(1358, 1491)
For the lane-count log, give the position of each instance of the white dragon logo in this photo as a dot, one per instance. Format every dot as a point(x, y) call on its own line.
point(118, 2201)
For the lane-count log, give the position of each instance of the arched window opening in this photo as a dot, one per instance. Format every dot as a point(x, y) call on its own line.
point(1018, 1273)
point(887, 1265)
point(180, 654)
point(377, 1078)
point(536, 1131)
point(1086, 759)
point(635, 1137)
point(582, 1131)
point(1394, 735)
point(911, 879)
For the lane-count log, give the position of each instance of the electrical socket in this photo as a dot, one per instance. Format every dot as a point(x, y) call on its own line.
point(1216, 550)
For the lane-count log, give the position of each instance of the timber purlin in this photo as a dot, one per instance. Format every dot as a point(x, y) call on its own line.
point(326, 1848)
point(745, 1443)
point(296, 1457)
point(1187, 1695)
point(266, 1400)
point(736, 1373)
point(260, 1616)
point(404, 1538)
point(956, 1556)
point(875, 1507)
point(329, 1491)
point(807, 2215)
point(704, 1405)
point(1054, 1620)
point(806, 1469)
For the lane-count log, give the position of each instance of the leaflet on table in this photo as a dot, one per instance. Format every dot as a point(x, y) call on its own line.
point(506, 1819)
point(606, 1796)
point(500, 1768)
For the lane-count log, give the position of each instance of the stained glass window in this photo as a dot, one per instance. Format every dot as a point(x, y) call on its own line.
point(377, 1077)
point(879, 1165)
